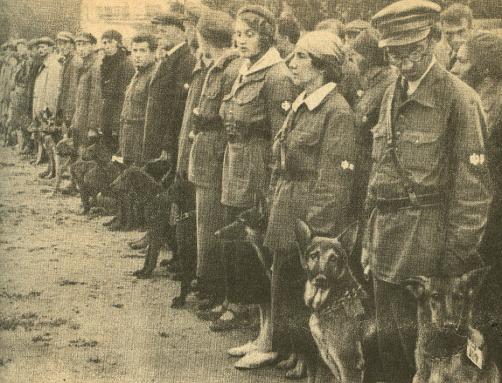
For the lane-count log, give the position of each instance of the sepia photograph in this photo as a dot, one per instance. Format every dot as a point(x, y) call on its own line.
point(250, 191)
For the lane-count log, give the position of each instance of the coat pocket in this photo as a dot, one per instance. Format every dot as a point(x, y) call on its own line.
point(248, 92)
point(419, 150)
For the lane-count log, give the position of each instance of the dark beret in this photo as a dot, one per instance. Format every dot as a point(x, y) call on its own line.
point(65, 36)
point(216, 24)
point(260, 11)
point(405, 22)
point(112, 34)
point(86, 37)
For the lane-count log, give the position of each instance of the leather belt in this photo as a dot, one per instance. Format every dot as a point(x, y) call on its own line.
point(419, 201)
point(238, 131)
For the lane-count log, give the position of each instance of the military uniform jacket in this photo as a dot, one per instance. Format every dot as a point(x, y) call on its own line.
point(260, 98)
point(366, 112)
point(439, 136)
point(166, 102)
point(185, 141)
point(208, 147)
point(314, 156)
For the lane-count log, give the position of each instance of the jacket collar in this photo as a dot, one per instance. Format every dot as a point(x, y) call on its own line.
point(414, 85)
point(425, 94)
point(270, 58)
point(314, 99)
point(175, 48)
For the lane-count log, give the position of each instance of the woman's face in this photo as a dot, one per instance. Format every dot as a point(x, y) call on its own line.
point(463, 64)
point(247, 40)
point(302, 70)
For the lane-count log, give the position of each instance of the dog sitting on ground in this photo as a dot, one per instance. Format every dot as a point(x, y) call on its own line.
point(448, 348)
point(66, 154)
point(342, 322)
point(51, 130)
point(95, 171)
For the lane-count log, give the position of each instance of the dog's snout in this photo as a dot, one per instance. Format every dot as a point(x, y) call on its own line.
point(320, 281)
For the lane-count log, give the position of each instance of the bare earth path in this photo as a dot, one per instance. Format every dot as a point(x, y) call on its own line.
point(70, 311)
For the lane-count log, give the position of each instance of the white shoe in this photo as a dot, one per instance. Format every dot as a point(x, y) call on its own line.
point(242, 350)
point(256, 359)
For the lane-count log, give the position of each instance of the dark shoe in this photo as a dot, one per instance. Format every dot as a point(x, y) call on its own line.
point(143, 273)
point(178, 302)
point(139, 244)
point(44, 174)
point(210, 314)
point(116, 226)
point(69, 190)
point(230, 321)
point(111, 222)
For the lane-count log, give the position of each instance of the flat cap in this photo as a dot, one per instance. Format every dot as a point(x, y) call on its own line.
point(20, 41)
point(174, 16)
point(44, 40)
point(86, 37)
point(65, 36)
point(32, 43)
point(216, 25)
point(406, 22)
point(356, 26)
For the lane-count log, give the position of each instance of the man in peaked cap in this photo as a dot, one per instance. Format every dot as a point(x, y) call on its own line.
point(65, 42)
point(429, 190)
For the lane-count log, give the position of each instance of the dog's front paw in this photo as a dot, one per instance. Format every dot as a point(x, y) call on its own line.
point(299, 372)
point(178, 302)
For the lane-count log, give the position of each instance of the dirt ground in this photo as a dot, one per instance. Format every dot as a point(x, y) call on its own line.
point(70, 310)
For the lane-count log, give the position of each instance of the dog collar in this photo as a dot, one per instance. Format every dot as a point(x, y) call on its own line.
point(184, 216)
point(351, 302)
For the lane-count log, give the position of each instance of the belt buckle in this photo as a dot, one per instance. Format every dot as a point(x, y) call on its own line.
point(413, 197)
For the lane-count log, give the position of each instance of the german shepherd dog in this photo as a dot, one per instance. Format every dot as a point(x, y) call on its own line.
point(342, 322)
point(180, 239)
point(66, 154)
point(48, 130)
point(449, 348)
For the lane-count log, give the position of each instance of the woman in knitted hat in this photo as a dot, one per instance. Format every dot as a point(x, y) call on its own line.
point(252, 113)
point(314, 157)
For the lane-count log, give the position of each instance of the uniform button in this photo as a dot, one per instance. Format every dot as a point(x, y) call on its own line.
point(398, 134)
point(365, 119)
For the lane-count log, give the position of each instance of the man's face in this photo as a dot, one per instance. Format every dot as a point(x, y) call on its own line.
point(84, 48)
point(351, 36)
point(21, 49)
point(411, 60)
point(43, 50)
point(190, 31)
point(142, 55)
point(64, 47)
point(247, 40)
point(163, 48)
point(110, 46)
point(457, 34)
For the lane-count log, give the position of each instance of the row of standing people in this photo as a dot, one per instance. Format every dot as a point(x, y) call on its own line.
point(330, 135)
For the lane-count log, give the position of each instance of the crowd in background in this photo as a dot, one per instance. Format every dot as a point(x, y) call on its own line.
point(256, 107)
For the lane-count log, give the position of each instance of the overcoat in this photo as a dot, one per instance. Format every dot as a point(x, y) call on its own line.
point(132, 119)
point(166, 103)
point(69, 81)
point(47, 85)
point(116, 73)
point(439, 137)
point(88, 101)
point(19, 111)
point(253, 112)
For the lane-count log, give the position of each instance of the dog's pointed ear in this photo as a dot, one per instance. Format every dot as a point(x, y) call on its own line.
point(349, 237)
point(417, 286)
point(303, 235)
point(473, 280)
